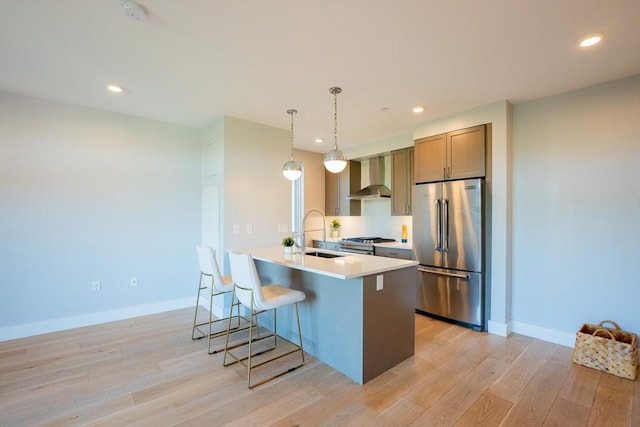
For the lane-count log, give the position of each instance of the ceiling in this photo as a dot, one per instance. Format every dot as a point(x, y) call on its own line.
point(192, 61)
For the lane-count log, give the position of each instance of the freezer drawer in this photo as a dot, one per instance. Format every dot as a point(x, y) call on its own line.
point(455, 295)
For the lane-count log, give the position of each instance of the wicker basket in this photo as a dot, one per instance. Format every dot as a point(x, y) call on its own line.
point(610, 350)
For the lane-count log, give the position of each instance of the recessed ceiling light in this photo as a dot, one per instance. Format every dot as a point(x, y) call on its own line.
point(419, 109)
point(319, 140)
point(114, 88)
point(384, 109)
point(592, 40)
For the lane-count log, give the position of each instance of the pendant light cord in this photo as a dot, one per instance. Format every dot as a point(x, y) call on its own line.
point(335, 120)
point(291, 112)
point(291, 153)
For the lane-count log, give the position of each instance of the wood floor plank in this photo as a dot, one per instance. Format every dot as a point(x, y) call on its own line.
point(87, 414)
point(580, 385)
point(452, 406)
point(354, 414)
point(635, 413)
point(521, 371)
point(511, 348)
point(488, 410)
point(402, 413)
point(537, 398)
point(381, 392)
point(148, 372)
point(230, 401)
point(34, 407)
point(565, 413)
point(278, 409)
point(339, 392)
point(432, 387)
point(613, 402)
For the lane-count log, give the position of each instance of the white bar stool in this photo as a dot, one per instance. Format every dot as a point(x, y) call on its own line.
point(259, 299)
point(210, 278)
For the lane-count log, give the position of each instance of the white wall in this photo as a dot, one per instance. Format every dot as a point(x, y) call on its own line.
point(212, 140)
point(576, 196)
point(88, 195)
point(256, 194)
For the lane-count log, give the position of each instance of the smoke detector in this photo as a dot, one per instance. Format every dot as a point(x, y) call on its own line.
point(134, 11)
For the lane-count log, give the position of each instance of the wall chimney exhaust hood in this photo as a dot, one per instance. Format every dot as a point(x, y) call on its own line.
point(376, 188)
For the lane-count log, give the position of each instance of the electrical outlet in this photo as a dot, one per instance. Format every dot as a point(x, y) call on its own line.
point(249, 228)
point(134, 281)
point(379, 282)
point(95, 286)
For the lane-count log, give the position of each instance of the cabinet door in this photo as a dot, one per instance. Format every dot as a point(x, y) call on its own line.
point(338, 186)
point(465, 153)
point(331, 193)
point(401, 181)
point(430, 156)
point(410, 178)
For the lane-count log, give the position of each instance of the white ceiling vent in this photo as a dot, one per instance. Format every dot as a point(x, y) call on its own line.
point(134, 11)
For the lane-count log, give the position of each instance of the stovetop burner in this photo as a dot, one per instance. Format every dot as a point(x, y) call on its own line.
point(369, 240)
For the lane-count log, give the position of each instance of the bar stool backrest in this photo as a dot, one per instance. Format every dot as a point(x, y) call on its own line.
point(246, 278)
point(209, 266)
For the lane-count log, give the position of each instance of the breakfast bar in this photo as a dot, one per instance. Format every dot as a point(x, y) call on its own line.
point(358, 316)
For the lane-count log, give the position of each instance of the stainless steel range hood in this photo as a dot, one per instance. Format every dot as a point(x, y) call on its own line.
point(376, 188)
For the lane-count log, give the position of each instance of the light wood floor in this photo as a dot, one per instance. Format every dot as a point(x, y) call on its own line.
point(148, 372)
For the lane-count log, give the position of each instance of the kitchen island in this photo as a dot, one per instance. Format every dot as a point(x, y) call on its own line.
point(358, 316)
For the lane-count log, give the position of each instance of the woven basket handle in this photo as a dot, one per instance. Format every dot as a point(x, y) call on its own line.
point(608, 321)
point(604, 330)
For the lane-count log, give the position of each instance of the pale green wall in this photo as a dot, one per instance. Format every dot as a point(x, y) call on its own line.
point(577, 209)
point(89, 195)
point(256, 193)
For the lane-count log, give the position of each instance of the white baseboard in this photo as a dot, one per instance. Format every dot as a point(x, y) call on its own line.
point(497, 328)
point(70, 322)
point(551, 335)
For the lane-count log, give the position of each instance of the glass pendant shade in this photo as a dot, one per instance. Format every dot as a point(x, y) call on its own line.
point(335, 161)
point(292, 170)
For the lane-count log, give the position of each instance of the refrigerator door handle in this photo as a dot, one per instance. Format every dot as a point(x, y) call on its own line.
point(442, 273)
point(438, 246)
point(444, 240)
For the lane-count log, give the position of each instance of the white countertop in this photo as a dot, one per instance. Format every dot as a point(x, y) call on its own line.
point(347, 266)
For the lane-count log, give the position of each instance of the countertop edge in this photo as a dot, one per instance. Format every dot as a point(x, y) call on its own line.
point(328, 267)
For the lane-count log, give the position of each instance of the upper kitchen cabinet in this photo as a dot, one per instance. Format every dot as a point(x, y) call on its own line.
point(401, 181)
point(338, 186)
point(454, 155)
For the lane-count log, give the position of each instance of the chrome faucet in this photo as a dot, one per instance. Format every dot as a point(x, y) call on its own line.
point(303, 244)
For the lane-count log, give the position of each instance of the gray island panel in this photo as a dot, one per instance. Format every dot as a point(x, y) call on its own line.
point(347, 323)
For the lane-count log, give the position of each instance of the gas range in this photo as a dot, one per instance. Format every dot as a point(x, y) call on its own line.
point(361, 245)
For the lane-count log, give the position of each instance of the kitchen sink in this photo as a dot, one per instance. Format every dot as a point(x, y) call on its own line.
point(323, 254)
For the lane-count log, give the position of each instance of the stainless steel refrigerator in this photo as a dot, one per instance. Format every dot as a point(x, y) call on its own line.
point(449, 242)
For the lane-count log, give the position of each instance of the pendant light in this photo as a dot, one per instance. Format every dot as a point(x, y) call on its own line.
point(335, 161)
point(292, 169)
